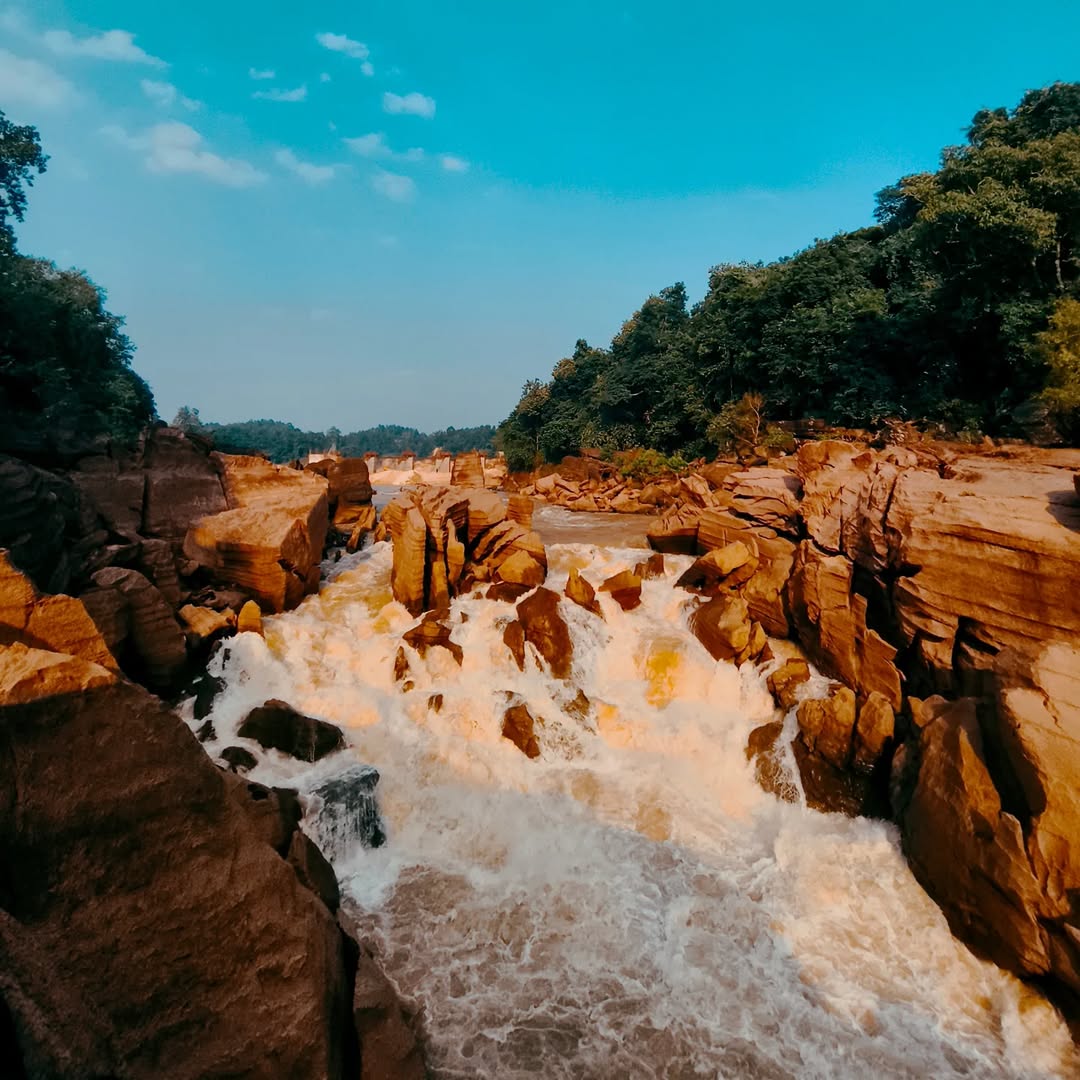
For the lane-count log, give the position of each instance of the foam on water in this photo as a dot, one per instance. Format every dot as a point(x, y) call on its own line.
point(630, 904)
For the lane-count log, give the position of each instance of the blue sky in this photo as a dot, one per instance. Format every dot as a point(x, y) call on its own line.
point(396, 212)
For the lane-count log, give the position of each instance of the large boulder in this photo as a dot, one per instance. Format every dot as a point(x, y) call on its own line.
point(190, 947)
point(349, 492)
point(183, 484)
point(723, 626)
point(276, 725)
point(32, 526)
point(546, 630)
point(270, 540)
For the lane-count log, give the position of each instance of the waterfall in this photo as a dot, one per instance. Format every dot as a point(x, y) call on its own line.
point(347, 813)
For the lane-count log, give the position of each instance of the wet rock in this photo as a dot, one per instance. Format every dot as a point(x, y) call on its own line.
point(507, 592)
point(827, 726)
point(522, 569)
point(401, 664)
point(729, 565)
point(432, 632)
point(435, 703)
point(653, 567)
point(238, 759)
point(625, 589)
point(676, 533)
point(249, 621)
point(348, 813)
point(389, 1047)
point(206, 732)
point(967, 850)
point(276, 725)
point(514, 640)
point(581, 592)
point(519, 726)
point(832, 790)
point(545, 629)
point(762, 749)
point(874, 731)
point(722, 625)
point(785, 681)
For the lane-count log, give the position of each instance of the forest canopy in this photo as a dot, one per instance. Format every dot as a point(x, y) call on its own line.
point(958, 306)
point(281, 441)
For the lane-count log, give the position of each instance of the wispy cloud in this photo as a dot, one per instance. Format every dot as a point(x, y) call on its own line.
point(110, 45)
point(306, 170)
point(324, 77)
point(368, 68)
point(29, 82)
point(299, 94)
point(261, 73)
point(166, 95)
point(394, 186)
point(342, 44)
point(179, 148)
point(414, 104)
point(375, 146)
point(453, 163)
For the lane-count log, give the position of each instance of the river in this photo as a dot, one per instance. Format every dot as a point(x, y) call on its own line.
point(631, 903)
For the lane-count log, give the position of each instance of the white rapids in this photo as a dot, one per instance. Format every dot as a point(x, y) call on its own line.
point(631, 903)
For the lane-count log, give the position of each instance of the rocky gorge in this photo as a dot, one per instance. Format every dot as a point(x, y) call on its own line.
point(933, 590)
point(941, 591)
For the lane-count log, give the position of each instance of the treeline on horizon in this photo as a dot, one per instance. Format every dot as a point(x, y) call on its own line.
point(959, 307)
point(281, 441)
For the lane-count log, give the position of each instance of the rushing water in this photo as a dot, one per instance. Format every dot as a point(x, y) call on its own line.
point(630, 904)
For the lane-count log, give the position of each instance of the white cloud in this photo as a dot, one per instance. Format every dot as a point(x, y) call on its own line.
point(324, 77)
point(342, 44)
point(309, 173)
point(178, 148)
point(110, 45)
point(414, 104)
point(263, 73)
point(299, 94)
point(375, 146)
point(368, 68)
point(369, 146)
point(394, 186)
point(452, 163)
point(166, 95)
point(28, 82)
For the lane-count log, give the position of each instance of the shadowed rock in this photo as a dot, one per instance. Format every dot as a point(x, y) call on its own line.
point(276, 725)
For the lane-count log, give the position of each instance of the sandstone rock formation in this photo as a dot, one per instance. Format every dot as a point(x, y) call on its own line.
point(467, 471)
point(545, 629)
point(581, 592)
point(270, 540)
point(519, 726)
point(447, 540)
point(190, 945)
point(624, 588)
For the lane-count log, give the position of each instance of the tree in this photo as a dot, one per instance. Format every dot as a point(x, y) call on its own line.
point(187, 419)
point(20, 158)
point(1059, 347)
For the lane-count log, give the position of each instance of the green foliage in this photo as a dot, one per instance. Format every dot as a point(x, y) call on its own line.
point(647, 465)
point(934, 313)
point(739, 424)
point(65, 362)
point(281, 441)
point(1060, 348)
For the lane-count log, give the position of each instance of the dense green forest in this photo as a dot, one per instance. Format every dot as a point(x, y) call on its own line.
point(961, 305)
point(65, 363)
point(281, 441)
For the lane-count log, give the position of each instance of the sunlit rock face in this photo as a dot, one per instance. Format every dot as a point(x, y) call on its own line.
point(580, 867)
point(270, 540)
